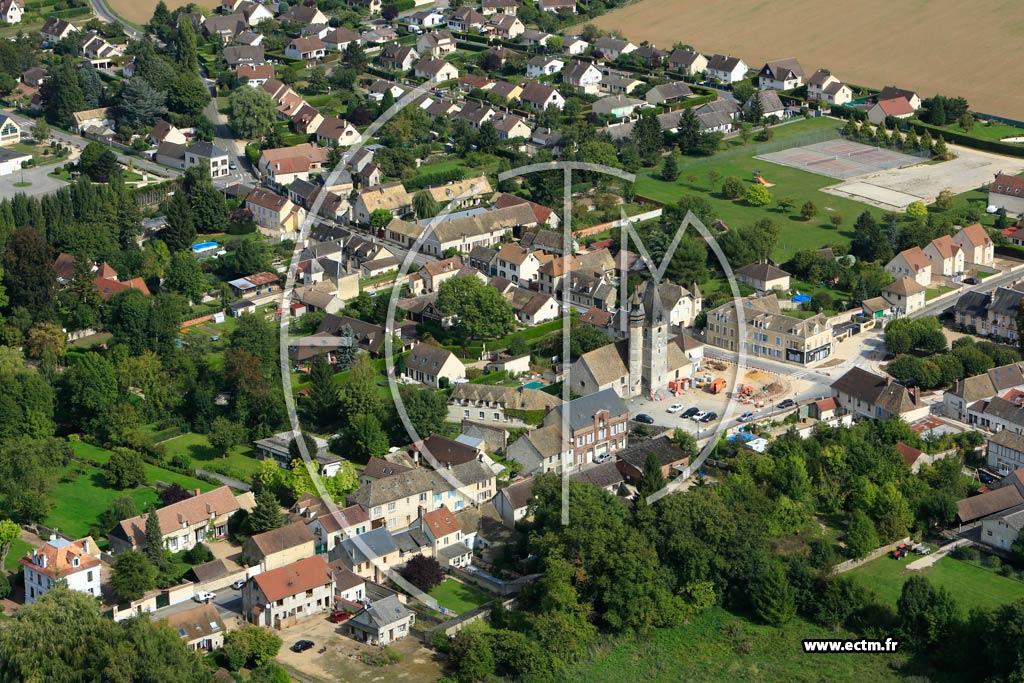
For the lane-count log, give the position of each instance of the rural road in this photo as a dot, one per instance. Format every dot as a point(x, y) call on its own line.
point(99, 7)
point(80, 142)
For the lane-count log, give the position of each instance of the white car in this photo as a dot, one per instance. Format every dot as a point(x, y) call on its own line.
point(204, 596)
point(675, 407)
point(699, 415)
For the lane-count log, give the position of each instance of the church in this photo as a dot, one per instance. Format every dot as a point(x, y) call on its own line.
point(646, 360)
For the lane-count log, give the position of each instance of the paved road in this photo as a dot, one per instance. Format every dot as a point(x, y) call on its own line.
point(100, 9)
point(222, 137)
point(41, 182)
point(228, 603)
point(987, 285)
point(80, 142)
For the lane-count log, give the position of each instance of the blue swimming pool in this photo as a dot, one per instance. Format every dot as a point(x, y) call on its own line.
point(204, 246)
point(534, 385)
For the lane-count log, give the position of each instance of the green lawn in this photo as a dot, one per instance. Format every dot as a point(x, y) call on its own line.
point(82, 494)
point(17, 551)
point(154, 473)
point(239, 464)
point(794, 232)
point(717, 647)
point(459, 597)
point(39, 153)
point(935, 292)
point(972, 586)
point(994, 132)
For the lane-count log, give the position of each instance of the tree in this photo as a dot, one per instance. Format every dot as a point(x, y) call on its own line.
point(758, 195)
point(225, 434)
point(125, 469)
point(209, 208)
point(423, 572)
point(688, 131)
point(188, 96)
point(670, 169)
point(424, 204)
point(140, 103)
point(251, 646)
point(652, 479)
point(188, 56)
point(28, 275)
point(772, 596)
point(155, 551)
point(87, 647)
point(325, 396)
point(808, 211)
point(181, 228)
point(253, 113)
point(364, 438)
point(41, 131)
point(43, 339)
point(482, 312)
point(966, 122)
point(99, 163)
point(90, 391)
point(355, 57)
point(861, 537)
point(648, 138)
point(940, 150)
point(733, 187)
point(62, 94)
point(426, 409)
point(917, 209)
point(926, 612)
point(185, 276)
point(169, 495)
point(267, 514)
point(360, 396)
point(9, 532)
point(133, 575)
point(380, 218)
point(754, 110)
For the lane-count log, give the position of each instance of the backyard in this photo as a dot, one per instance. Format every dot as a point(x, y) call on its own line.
point(82, 493)
point(458, 597)
point(240, 462)
point(972, 586)
point(703, 178)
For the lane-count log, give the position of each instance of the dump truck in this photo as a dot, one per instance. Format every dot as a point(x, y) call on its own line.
point(716, 385)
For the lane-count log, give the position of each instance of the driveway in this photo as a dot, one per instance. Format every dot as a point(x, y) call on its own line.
point(228, 603)
point(40, 182)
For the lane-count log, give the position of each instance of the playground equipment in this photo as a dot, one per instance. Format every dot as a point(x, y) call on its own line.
point(758, 178)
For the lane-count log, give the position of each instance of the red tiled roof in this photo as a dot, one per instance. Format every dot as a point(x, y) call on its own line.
point(297, 577)
point(441, 522)
point(909, 453)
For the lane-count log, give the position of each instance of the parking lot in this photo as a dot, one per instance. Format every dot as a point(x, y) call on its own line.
point(340, 663)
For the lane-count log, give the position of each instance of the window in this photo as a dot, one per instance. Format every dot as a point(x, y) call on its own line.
point(391, 507)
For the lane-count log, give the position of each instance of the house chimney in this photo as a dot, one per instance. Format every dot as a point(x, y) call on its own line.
point(196, 492)
point(85, 546)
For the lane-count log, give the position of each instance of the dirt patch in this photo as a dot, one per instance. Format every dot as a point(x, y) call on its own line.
point(141, 12)
point(869, 46)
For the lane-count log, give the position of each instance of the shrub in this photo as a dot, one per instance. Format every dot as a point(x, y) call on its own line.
point(732, 188)
point(423, 572)
point(198, 554)
point(382, 657)
point(758, 195)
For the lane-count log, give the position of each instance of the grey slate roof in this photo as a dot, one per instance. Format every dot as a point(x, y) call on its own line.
point(369, 546)
point(381, 613)
point(583, 409)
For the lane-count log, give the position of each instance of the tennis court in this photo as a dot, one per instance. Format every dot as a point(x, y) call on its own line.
point(840, 158)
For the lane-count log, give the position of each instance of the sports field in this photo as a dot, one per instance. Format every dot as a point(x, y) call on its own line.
point(930, 46)
point(141, 11)
point(840, 159)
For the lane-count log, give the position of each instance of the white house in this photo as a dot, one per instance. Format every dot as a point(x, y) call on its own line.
point(306, 48)
point(726, 69)
point(282, 596)
point(946, 256)
point(12, 11)
point(10, 131)
point(11, 161)
point(976, 243)
point(433, 365)
point(583, 76)
point(912, 263)
point(781, 74)
point(822, 86)
point(543, 66)
point(74, 563)
point(575, 46)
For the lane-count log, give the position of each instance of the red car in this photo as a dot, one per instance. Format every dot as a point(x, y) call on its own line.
point(338, 615)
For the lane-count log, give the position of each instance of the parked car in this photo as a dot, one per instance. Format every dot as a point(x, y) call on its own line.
point(302, 645)
point(675, 408)
point(204, 596)
point(709, 417)
point(746, 416)
point(237, 585)
point(645, 418)
point(972, 281)
point(922, 549)
point(690, 412)
point(698, 416)
point(788, 403)
point(232, 166)
point(338, 615)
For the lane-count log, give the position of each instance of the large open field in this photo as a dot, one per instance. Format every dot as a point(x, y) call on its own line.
point(926, 45)
point(141, 11)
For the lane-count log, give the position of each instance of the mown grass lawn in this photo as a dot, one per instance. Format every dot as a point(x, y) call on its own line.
point(718, 647)
point(17, 550)
point(459, 597)
point(82, 493)
point(240, 463)
point(972, 586)
point(154, 473)
point(794, 232)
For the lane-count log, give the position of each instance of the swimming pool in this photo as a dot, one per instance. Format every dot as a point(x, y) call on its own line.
point(534, 385)
point(204, 246)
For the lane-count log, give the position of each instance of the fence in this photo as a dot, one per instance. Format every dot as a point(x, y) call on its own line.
point(453, 626)
point(873, 555)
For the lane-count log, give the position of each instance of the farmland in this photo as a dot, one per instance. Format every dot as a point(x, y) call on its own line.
point(141, 12)
point(860, 48)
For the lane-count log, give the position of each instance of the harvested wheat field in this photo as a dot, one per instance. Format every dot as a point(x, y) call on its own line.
point(141, 11)
point(948, 46)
